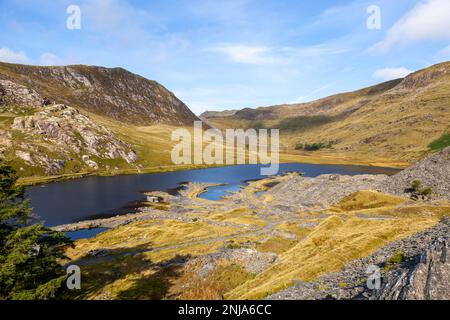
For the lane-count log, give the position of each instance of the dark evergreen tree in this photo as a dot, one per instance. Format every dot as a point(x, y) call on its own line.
point(29, 253)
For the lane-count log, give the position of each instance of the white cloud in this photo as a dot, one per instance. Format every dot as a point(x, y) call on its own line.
point(387, 74)
point(7, 55)
point(49, 59)
point(258, 55)
point(429, 20)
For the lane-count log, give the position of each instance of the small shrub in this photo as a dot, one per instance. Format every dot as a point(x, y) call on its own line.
point(417, 192)
point(314, 146)
point(232, 245)
point(398, 258)
point(415, 185)
point(426, 191)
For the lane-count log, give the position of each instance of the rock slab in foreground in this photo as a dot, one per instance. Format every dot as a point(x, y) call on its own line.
point(428, 280)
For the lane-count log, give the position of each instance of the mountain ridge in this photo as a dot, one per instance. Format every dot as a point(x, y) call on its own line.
point(112, 92)
point(75, 120)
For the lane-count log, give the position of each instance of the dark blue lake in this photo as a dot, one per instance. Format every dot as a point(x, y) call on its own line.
point(93, 197)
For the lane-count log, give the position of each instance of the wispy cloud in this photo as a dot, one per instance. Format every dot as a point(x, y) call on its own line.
point(257, 55)
point(264, 55)
point(429, 20)
point(341, 14)
point(316, 50)
point(8, 55)
point(387, 74)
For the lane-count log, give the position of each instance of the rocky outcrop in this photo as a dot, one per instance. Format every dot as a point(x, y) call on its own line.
point(433, 172)
point(424, 78)
point(252, 260)
point(13, 94)
point(426, 280)
point(50, 165)
point(115, 93)
point(300, 193)
point(56, 134)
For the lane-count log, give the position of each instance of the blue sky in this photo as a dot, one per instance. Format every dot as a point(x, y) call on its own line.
point(225, 54)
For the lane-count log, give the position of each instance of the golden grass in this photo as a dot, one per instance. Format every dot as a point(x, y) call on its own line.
point(327, 249)
point(276, 245)
point(350, 234)
point(190, 250)
point(239, 217)
point(436, 209)
point(150, 234)
point(293, 227)
point(367, 199)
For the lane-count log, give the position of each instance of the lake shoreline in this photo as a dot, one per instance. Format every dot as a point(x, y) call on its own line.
point(99, 197)
point(284, 158)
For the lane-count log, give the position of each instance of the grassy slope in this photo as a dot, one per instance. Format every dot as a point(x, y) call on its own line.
point(441, 143)
point(342, 238)
point(389, 123)
point(153, 146)
point(346, 235)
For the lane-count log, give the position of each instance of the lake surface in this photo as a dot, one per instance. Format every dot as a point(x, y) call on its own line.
point(95, 197)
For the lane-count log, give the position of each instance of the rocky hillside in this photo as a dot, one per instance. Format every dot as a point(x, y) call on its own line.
point(55, 136)
point(82, 119)
point(114, 93)
point(396, 120)
point(433, 172)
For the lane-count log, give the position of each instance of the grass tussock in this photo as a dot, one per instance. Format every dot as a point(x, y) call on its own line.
point(367, 200)
point(276, 245)
point(239, 216)
point(292, 227)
